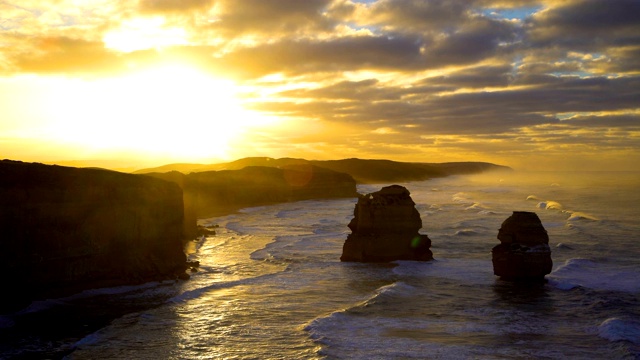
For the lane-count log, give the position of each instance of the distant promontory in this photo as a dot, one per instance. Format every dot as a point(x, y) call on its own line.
point(363, 171)
point(217, 189)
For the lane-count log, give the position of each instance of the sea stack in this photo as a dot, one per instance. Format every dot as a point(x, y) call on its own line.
point(385, 228)
point(523, 253)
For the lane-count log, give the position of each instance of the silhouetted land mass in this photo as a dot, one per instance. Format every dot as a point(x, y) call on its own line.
point(211, 193)
point(362, 170)
point(65, 229)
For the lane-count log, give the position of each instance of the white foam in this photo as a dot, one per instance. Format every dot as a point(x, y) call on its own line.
point(577, 216)
point(563, 246)
point(598, 276)
point(617, 329)
point(466, 232)
point(533, 197)
point(198, 292)
point(462, 198)
point(477, 207)
point(550, 205)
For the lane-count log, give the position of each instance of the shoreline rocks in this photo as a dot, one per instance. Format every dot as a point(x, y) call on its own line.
point(385, 228)
point(524, 252)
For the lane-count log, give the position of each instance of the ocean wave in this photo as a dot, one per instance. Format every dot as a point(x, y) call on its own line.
point(476, 207)
point(385, 294)
point(587, 273)
point(533, 197)
point(617, 329)
point(352, 332)
point(396, 289)
point(462, 198)
point(466, 232)
point(578, 216)
point(198, 292)
point(563, 246)
point(550, 205)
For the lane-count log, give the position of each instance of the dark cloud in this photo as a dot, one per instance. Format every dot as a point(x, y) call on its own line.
point(611, 121)
point(478, 112)
point(476, 41)
point(418, 16)
point(393, 52)
point(476, 77)
point(594, 16)
point(336, 55)
point(284, 17)
point(588, 25)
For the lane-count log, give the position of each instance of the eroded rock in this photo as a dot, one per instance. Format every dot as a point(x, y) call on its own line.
point(385, 228)
point(523, 253)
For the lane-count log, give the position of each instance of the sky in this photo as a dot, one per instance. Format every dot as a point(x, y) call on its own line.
point(532, 84)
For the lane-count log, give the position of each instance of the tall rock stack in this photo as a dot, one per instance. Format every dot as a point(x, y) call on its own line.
point(523, 253)
point(385, 228)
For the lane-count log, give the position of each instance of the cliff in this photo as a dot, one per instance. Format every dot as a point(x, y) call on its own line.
point(213, 193)
point(66, 229)
point(362, 170)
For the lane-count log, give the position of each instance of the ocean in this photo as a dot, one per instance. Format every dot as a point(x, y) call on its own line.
point(271, 285)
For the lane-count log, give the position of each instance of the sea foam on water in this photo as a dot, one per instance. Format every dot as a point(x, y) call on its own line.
point(271, 285)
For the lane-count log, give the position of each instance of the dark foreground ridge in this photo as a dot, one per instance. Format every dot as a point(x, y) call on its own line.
point(66, 229)
point(362, 170)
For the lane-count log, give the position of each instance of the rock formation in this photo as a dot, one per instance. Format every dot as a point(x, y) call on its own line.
point(524, 251)
point(385, 228)
point(66, 229)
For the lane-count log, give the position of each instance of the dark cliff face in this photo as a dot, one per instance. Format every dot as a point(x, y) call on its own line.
point(66, 229)
point(212, 193)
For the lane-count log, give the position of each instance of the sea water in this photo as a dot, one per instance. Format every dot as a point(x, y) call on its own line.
point(271, 286)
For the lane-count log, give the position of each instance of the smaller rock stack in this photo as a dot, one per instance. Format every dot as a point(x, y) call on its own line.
point(524, 252)
point(385, 228)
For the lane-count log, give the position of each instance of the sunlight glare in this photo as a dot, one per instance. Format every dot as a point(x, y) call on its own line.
point(144, 33)
point(172, 110)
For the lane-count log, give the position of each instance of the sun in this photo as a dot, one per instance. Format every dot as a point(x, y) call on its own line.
point(170, 110)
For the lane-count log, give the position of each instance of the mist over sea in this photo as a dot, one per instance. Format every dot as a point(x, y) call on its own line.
point(271, 286)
